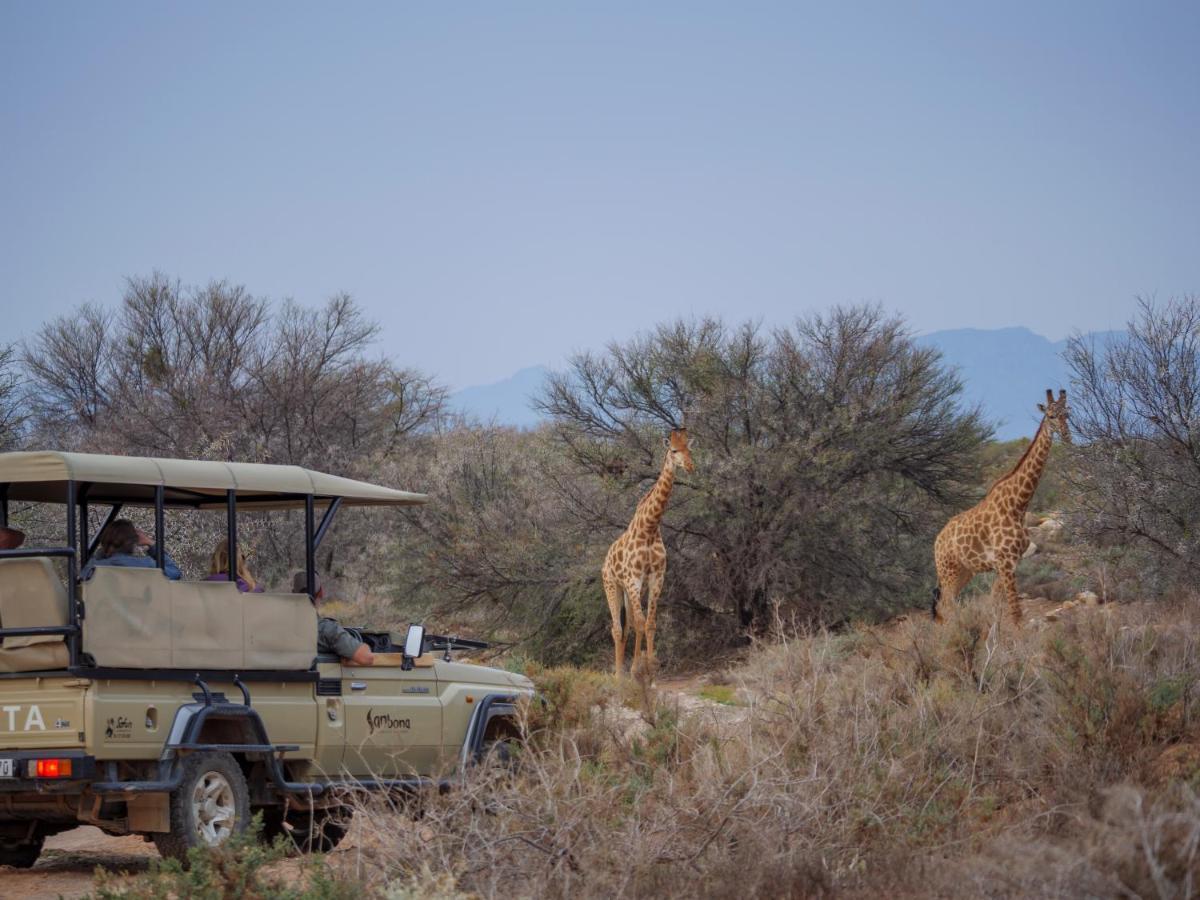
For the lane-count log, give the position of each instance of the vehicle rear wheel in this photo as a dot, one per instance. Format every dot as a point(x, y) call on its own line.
point(318, 830)
point(210, 806)
point(21, 854)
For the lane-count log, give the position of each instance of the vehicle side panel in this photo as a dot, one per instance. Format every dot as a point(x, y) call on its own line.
point(393, 721)
point(462, 685)
point(42, 713)
point(132, 720)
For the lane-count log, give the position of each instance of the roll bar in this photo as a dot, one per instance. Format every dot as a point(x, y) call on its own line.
point(81, 545)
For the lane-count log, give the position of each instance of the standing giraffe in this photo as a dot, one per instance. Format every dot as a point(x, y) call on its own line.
point(638, 559)
point(990, 536)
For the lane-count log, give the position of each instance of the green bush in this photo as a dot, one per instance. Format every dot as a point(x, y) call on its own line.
point(238, 870)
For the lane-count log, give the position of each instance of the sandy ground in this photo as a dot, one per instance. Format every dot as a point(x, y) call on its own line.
point(68, 861)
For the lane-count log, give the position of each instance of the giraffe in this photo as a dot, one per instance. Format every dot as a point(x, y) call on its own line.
point(637, 560)
point(991, 537)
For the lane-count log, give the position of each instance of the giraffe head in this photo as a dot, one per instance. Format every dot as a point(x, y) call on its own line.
point(1056, 413)
point(679, 450)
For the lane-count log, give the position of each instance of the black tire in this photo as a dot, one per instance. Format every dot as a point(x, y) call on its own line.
point(211, 804)
point(319, 830)
point(272, 823)
point(500, 753)
point(22, 854)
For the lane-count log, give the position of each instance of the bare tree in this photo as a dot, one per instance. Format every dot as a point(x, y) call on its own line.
point(66, 363)
point(217, 373)
point(12, 404)
point(1136, 410)
point(827, 453)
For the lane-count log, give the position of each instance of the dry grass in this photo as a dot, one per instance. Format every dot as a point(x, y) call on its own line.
point(954, 761)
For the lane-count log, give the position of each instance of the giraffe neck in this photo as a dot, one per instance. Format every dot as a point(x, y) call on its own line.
point(650, 510)
point(1025, 477)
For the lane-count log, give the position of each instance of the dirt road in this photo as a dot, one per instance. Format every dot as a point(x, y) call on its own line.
point(68, 861)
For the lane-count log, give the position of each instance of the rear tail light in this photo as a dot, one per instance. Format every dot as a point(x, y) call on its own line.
point(50, 768)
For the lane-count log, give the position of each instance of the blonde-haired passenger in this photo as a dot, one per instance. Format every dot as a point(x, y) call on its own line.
point(218, 569)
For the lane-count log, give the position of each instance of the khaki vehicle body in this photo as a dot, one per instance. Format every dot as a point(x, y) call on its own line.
point(177, 709)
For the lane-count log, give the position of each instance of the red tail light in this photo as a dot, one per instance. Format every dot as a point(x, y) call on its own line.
point(52, 768)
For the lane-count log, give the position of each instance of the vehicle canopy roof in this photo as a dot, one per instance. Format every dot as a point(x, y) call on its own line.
point(42, 477)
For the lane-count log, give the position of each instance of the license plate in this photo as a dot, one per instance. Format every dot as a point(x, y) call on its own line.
point(6, 768)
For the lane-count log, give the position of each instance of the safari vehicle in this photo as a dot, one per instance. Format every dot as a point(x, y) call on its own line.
point(177, 709)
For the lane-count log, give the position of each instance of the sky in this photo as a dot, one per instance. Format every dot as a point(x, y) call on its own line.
point(501, 184)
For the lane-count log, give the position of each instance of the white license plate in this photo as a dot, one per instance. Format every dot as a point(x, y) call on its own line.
point(6, 768)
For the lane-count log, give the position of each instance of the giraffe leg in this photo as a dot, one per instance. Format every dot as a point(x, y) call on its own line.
point(656, 586)
point(1006, 578)
point(613, 592)
point(947, 574)
point(950, 585)
point(633, 602)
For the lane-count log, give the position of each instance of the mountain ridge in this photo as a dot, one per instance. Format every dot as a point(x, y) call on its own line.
point(1004, 370)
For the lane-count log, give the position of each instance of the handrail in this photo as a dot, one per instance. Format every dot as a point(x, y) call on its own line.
point(34, 552)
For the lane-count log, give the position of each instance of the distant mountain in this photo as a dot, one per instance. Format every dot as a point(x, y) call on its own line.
point(1005, 370)
point(507, 402)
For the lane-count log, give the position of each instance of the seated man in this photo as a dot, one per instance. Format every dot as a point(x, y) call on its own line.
point(332, 637)
point(117, 546)
point(11, 539)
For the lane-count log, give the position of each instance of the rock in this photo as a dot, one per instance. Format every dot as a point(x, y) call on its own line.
point(1047, 530)
point(1030, 550)
point(1088, 598)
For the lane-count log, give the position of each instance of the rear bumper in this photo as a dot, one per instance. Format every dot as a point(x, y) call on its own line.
point(83, 771)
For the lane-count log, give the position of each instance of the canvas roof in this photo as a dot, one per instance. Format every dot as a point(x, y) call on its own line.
point(41, 476)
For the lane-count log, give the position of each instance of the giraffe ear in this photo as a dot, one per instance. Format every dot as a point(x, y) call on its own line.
point(1041, 408)
point(667, 443)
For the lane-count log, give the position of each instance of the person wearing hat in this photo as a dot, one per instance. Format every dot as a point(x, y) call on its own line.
point(11, 539)
point(332, 637)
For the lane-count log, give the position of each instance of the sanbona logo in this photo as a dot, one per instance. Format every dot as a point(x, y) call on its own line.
point(380, 721)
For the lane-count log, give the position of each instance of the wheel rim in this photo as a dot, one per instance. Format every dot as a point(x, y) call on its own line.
point(213, 808)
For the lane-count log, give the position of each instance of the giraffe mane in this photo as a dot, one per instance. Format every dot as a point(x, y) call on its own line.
point(1020, 462)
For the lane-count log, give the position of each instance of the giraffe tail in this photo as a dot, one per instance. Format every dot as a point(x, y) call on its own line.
point(622, 618)
point(937, 595)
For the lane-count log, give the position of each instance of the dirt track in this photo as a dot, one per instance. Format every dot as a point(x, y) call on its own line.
point(68, 861)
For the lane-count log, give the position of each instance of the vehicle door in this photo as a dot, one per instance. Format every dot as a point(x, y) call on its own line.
point(393, 720)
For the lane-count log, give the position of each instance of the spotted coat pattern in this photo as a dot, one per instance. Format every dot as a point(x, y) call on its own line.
point(991, 536)
point(636, 563)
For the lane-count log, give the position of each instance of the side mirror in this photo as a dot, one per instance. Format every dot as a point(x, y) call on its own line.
point(414, 642)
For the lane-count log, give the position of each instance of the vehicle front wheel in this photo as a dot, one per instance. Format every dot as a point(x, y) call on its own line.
point(21, 854)
point(210, 806)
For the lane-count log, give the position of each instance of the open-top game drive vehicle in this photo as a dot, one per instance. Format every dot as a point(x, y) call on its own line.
point(178, 709)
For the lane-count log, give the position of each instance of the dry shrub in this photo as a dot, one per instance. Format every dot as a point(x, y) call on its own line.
point(911, 760)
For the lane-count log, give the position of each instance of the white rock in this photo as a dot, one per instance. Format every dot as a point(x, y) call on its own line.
point(1088, 598)
point(1047, 530)
point(1030, 550)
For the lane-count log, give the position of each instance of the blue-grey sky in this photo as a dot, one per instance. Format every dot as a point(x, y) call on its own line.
point(502, 183)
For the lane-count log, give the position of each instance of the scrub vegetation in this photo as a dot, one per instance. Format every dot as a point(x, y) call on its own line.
point(840, 747)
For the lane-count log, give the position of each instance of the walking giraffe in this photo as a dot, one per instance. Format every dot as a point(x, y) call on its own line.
point(637, 560)
point(991, 536)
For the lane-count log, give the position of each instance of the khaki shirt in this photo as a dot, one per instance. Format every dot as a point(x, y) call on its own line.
point(333, 638)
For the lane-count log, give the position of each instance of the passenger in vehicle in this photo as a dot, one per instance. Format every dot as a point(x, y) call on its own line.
point(117, 548)
point(11, 539)
point(218, 569)
point(332, 637)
